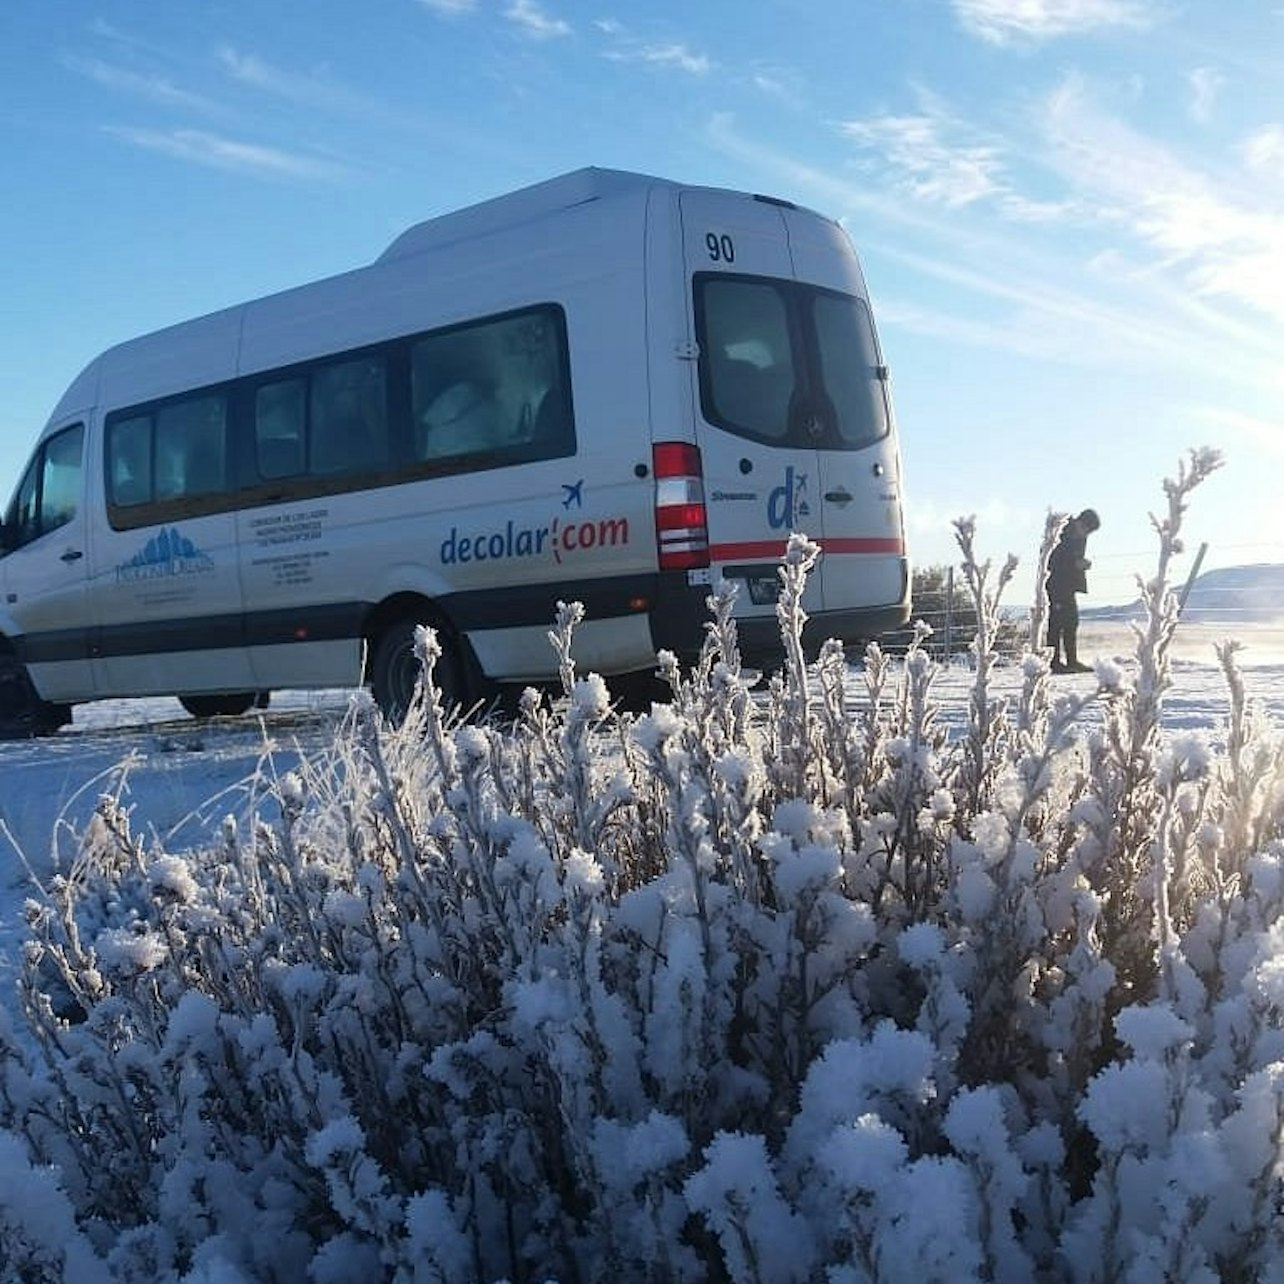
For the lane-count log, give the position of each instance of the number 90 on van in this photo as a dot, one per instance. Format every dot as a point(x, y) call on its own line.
point(606, 388)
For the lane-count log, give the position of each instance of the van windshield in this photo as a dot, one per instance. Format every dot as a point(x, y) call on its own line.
point(789, 364)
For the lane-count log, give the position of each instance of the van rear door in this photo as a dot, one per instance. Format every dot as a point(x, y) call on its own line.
point(859, 471)
point(760, 470)
point(792, 413)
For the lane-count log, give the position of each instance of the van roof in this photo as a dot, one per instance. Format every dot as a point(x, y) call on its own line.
point(213, 335)
point(575, 188)
point(213, 339)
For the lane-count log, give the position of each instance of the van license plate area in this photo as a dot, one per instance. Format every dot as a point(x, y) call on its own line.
point(763, 582)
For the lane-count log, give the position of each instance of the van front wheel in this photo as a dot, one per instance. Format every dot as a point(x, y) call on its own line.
point(22, 712)
point(395, 670)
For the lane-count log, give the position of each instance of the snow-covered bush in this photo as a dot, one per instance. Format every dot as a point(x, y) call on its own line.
point(822, 984)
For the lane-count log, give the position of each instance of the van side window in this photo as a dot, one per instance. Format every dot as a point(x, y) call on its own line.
point(23, 518)
point(280, 427)
point(348, 417)
point(492, 388)
point(486, 394)
point(61, 476)
point(191, 447)
point(177, 451)
point(49, 494)
point(129, 461)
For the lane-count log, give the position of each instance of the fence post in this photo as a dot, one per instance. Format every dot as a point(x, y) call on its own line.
point(949, 612)
point(1190, 579)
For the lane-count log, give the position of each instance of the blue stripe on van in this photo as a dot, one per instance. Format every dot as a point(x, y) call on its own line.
point(683, 619)
point(679, 626)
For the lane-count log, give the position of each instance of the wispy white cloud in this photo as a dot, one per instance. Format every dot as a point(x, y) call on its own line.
point(1023, 209)
point(1216, 235)
point(250, 69)
point(1221, 232)
point(1262, 434)
point(1003, 22)
point(1263, 151)
point(309, 90)
point(939, 159)
point(625, 46)
point(153, 88)
point(125, 39)
point(450, 8)
point(1049, 312)
point(1205, 85)
point(216, 152)
point(534, 21)
point(677, 56)
point(924, 163)
point(1038, 342)
point(776, 85)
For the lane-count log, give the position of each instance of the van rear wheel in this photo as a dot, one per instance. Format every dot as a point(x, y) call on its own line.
point(215, 706)
point(396, 669)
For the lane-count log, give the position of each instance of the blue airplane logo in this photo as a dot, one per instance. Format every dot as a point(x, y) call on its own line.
point(574, 494)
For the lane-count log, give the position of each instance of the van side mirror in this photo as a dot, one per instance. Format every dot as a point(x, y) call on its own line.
point(8, 540)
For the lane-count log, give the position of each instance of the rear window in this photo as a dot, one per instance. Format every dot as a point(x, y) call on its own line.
point(749, 357)
point(788, 364)
point(850, 371)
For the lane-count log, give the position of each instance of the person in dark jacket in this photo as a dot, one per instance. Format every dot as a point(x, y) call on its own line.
point(1067, 576)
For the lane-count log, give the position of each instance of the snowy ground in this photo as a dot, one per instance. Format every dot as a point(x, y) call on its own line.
point(183, 776)
point(180, 777)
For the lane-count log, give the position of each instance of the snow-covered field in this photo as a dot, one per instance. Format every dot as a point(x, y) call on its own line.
point(181, 775)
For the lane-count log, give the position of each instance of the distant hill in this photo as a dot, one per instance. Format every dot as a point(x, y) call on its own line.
point(1230, 594)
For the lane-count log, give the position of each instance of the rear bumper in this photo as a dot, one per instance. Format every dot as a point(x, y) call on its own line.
point(676, 611)
point(678, 624)
point(760, 643)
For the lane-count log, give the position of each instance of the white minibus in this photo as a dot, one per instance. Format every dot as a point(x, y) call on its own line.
point(607, 387)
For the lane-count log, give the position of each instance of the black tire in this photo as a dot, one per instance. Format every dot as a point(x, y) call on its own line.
point(395, 670)
point(215, 706)
point(23, 713)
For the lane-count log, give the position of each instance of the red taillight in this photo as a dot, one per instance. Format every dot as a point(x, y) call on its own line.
point(676, 459)
point(681, 522)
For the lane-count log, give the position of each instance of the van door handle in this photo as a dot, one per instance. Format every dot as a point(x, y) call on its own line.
point(72, 555)
point(839, 496)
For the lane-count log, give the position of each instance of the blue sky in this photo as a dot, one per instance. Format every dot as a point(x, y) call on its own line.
point(1071, 212)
